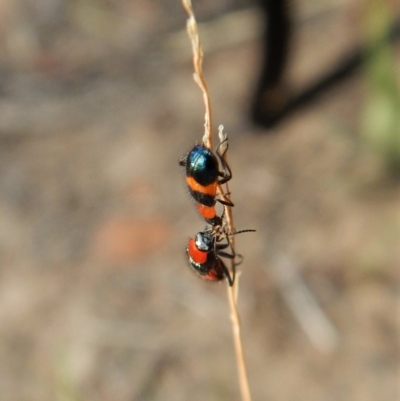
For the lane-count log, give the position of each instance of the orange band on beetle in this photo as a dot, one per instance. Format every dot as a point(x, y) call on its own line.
point(196, 187)
point(208, 212)
point(196, 255)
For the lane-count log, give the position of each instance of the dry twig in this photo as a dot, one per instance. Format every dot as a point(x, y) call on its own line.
point(191, 26)
point(207, 141)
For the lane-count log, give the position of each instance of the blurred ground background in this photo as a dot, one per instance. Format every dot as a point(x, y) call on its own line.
point(97, 104)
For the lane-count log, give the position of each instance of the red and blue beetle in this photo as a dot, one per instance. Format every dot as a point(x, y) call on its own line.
point(203, 176)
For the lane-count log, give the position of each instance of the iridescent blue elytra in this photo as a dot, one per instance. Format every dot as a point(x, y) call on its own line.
point(202, 165)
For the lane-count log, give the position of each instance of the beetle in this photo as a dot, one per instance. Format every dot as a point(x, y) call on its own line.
point(204, 252)
point(203, 176)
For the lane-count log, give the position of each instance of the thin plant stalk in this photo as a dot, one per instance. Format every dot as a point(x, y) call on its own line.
point(207, 141)
point(198, 76)
point(232, 298)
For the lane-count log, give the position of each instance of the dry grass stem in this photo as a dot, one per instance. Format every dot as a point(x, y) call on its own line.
point(207, 140)
point(198, 76)
point(233, 297)
point(237, 338)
